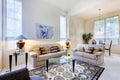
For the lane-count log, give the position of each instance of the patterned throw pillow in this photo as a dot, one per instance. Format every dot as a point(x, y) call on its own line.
point(54, 49)
point(97, 50)
point(42, 50)
point(89, 50)
point(36, 50)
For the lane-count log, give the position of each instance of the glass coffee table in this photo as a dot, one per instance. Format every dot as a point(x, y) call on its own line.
point(60, 60)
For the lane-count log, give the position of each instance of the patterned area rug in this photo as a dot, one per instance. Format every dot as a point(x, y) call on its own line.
point(83, 71)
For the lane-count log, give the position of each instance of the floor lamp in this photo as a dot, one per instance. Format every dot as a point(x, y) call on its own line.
point(20, 44)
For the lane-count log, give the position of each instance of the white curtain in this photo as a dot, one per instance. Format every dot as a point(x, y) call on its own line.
point(0, 35)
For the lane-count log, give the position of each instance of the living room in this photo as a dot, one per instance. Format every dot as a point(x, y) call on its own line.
point(75, 19)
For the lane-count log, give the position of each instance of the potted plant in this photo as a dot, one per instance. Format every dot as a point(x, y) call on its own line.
point(87, 37)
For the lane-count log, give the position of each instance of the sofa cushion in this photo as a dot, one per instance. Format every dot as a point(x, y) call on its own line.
point(81, 49)
point(54, 49)
point(44, 57)
point(89, 56)
point(78, 53)
point(99, 53)
point(42, 50)
point(36, 50)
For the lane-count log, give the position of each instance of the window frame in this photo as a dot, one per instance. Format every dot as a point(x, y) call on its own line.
point(6, 37)
point(10, 43)
point(65, 37)
point(104, 38)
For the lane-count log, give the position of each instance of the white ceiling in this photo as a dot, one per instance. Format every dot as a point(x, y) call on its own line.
point(65, 5)
point(86, 8)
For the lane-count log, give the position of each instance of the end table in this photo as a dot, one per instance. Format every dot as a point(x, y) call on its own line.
point(10, 59)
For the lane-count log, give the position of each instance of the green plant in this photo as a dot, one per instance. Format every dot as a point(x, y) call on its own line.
point(87, 37)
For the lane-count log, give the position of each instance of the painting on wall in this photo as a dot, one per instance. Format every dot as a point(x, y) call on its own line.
point(44, 32)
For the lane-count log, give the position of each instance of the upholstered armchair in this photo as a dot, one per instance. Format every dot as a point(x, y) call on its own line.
point(21, 74)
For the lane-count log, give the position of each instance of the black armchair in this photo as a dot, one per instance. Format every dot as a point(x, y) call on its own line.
point(109, 48)
point(21, 74)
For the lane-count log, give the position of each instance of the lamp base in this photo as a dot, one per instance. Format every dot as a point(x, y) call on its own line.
point(20, 45)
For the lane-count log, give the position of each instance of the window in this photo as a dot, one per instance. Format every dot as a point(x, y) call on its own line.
point(107, 29)
point(13, 18)
point(99, 29)
point(112, 28)
point(12, 21)
point(63, 28)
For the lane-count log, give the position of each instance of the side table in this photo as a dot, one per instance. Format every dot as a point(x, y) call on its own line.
point(10, 59)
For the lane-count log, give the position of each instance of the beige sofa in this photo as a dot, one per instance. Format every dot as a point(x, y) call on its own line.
point(96, 56)
point(37, 59)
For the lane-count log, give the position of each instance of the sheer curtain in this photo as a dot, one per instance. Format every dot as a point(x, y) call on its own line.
point(0, 35)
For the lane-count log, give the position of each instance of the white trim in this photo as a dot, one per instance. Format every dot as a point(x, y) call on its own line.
point(0, 35)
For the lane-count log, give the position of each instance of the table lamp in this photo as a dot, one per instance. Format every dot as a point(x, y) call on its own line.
point(68, 47)
point(20, 44)
point(68, 43)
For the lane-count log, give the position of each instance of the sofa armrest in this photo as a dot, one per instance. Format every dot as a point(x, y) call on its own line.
point(99, 53)
point(33, 54)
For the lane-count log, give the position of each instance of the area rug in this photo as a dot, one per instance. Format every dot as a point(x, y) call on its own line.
point(83, 71)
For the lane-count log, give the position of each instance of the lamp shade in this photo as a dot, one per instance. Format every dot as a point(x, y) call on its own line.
point(20, 37)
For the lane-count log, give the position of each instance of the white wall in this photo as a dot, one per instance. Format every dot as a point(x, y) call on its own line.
point(76, 30)
point(0, 34)
point(36, 12)
point(40, 12)
point(89, 27)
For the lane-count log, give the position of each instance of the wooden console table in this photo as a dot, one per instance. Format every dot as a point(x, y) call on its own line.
point(10, 59)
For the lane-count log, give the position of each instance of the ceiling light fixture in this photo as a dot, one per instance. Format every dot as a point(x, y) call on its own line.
point(100, 23)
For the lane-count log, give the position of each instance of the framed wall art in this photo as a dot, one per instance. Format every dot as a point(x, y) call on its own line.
point(44, 32)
